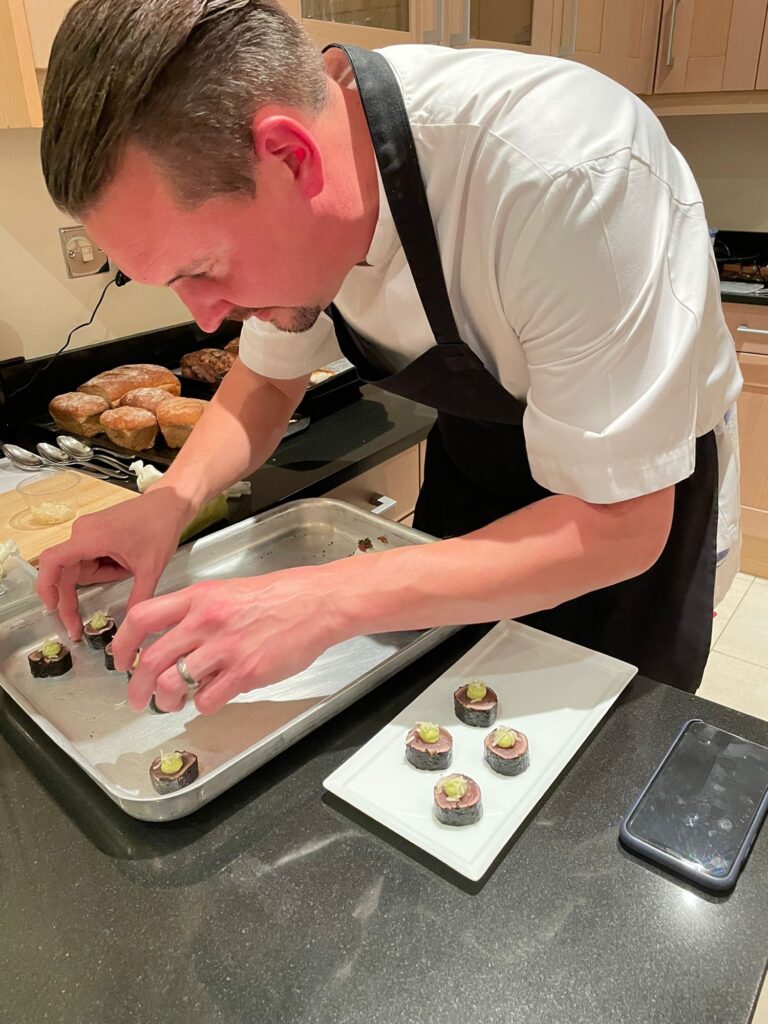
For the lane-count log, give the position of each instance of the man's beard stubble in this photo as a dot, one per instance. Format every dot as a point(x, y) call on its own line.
point(301, 317)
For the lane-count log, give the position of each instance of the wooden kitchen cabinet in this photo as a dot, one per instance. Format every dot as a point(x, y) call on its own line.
point(370, 23)
point(44, 18)
point(27, 31)
point(749, 326)
point(617, 38)
point(710, 45)
point(19, 93)
point(398, 479)
point(524, 25)
point(762, 67)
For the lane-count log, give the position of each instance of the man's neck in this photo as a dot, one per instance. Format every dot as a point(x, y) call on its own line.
point(355, 149)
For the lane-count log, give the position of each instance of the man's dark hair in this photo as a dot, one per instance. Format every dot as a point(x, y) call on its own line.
point(182, 79)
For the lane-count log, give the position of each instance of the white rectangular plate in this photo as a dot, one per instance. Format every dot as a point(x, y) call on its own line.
point(553, 691)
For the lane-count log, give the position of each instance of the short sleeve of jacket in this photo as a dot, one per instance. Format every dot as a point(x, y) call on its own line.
point(280, 354)
point(606, 289)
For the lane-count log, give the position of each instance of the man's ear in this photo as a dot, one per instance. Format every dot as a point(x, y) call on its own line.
point(282, 140)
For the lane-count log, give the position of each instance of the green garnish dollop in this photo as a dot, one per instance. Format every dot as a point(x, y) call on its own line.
point(98, 621)
point(428, 731)
point(504, 738)
point(171, 763)
point(455, 787)
point(477, 690)
point(51, 649)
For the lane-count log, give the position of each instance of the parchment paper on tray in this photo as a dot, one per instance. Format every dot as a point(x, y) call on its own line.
point(334, 669)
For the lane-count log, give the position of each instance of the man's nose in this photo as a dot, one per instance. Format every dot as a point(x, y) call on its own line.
point(208, 311)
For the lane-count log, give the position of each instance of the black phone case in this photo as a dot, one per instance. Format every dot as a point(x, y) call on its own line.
point(674, 864)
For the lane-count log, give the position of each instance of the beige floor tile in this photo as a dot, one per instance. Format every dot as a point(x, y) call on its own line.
point(730, 603)
point(761, 1010)
point(745, 634)
point(736, 684)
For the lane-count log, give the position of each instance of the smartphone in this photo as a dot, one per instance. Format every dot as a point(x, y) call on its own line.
point(702, 808)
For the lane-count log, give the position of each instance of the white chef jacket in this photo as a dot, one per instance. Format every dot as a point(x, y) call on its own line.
point(579, 268)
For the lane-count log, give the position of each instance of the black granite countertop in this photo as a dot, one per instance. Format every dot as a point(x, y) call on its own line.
point(279, 904)
point(335, 449)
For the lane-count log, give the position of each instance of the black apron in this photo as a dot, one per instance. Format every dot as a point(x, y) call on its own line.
point(477, 467)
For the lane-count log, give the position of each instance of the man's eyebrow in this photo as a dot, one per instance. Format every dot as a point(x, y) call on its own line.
point(190, 271)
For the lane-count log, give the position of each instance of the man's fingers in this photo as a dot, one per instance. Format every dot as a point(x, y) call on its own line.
point(102, 570)
point(50, 567)
point(156, 672)
point(68, 606)
point(145, 618)
point(144, 587)
point(215, 694)
point(54, 561)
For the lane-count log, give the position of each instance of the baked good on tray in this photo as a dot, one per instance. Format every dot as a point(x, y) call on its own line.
point(177, 417)
point(135, 429)
point(145, 398)
point(208, 364)
point(113, 384)
point(77, 413)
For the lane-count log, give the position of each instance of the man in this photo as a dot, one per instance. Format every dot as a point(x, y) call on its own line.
point(509, 238)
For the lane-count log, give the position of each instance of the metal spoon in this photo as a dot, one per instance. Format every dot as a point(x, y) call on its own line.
point(31, 463)
point(22, 459)
point(56, 457)
point(84, 453)
point(81, 450)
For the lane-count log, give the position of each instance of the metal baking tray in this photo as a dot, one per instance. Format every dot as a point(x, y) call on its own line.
point(86, 713)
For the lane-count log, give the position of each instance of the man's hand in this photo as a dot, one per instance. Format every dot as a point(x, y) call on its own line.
point(235, 636)
point(135, 538)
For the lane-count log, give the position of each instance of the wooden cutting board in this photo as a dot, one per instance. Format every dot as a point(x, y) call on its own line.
point(17, 525)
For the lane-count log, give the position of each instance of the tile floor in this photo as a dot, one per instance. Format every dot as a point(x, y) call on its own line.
point(737, 670)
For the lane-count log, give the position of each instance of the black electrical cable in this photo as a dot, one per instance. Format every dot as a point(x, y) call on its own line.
point(119, 279)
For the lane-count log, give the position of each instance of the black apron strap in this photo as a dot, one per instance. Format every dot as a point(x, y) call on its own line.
point(399, 166)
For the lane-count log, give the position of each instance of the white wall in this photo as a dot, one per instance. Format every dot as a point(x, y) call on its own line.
point(39, 304)
point(728, 154)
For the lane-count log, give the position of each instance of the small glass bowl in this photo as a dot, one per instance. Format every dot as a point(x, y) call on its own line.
point(51, 496)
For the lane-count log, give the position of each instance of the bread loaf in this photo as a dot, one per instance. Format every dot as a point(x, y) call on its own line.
point(208, 364)
point(113, 384)
point(177, 417)
point(135, 429)
point(144, 398)
point(233, 346)
point(76, 413)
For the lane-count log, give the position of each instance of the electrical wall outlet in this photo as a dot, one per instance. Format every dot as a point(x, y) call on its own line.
point(81, 255)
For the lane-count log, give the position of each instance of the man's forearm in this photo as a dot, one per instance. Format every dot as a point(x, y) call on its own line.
point(237, 433)
point(539, 557)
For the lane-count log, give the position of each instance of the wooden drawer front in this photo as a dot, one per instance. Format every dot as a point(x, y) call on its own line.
point(397, 478)
point(753, 430)
point(749, 326)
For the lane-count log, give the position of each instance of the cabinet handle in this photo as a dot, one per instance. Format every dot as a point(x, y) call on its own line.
point(462, 38)
point(380, 504)
point(743, 329)
point(435, 35)
point(570, 47)
point(670, 56)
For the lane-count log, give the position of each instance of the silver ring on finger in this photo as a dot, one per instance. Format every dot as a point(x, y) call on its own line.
point(192, 684)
